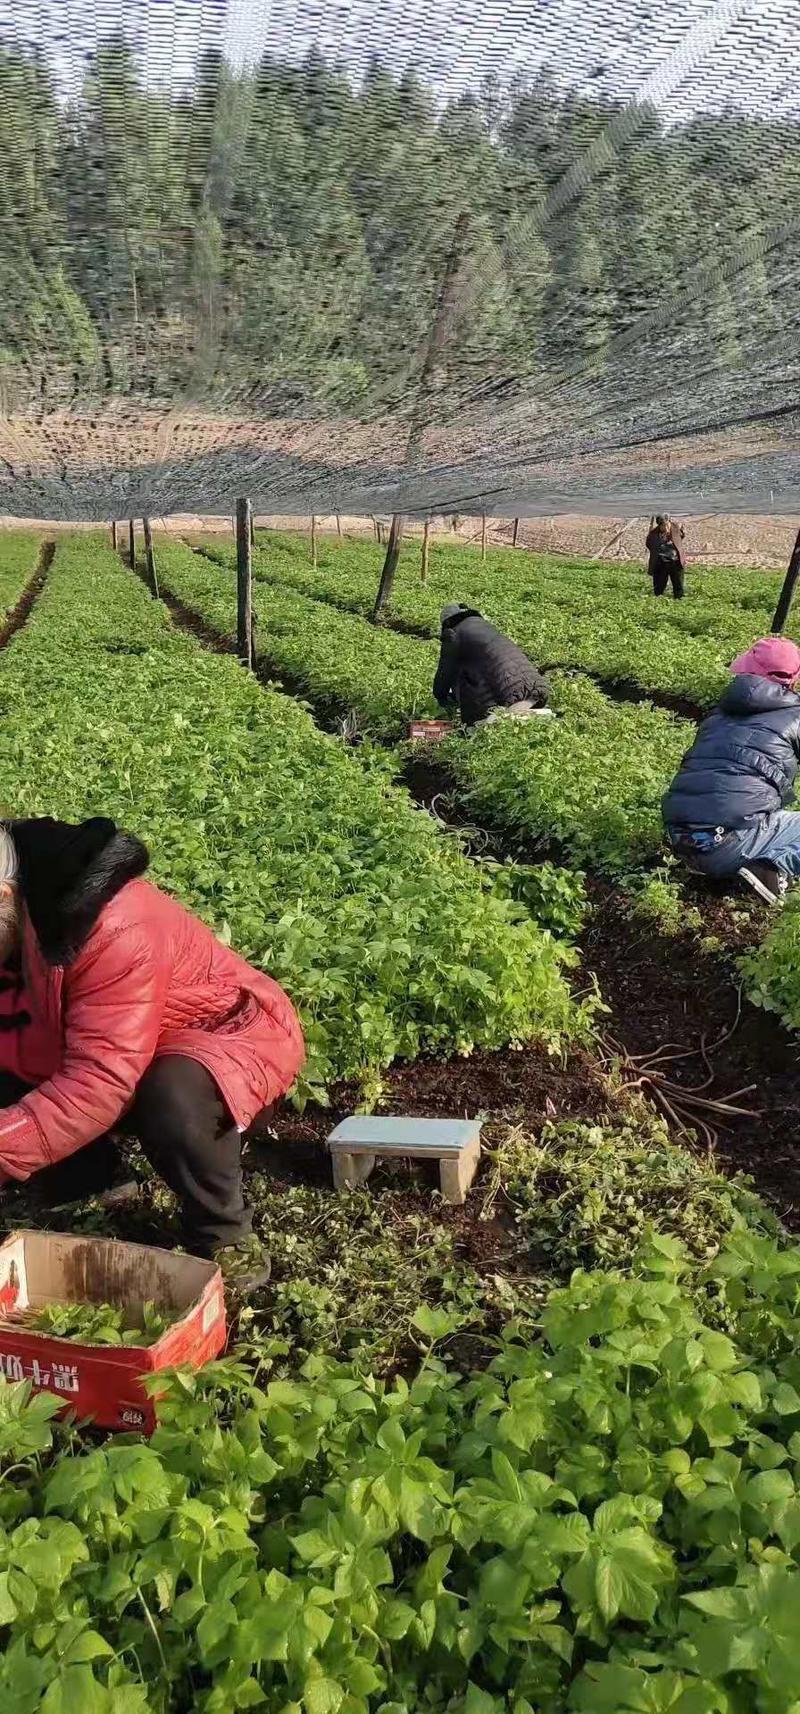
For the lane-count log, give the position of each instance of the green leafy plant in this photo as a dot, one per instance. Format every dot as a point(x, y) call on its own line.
point(100, 1323)
point(348, 1272)
point(772, 972)
point(606, 1517)
point(19, 551)
point(660, 899)
point(554, 896)
point(590, 781)
point(586, 1194)
point(315, 868)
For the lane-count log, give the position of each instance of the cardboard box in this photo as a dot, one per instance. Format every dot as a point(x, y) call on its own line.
point(430, 731)
point(102, 1381)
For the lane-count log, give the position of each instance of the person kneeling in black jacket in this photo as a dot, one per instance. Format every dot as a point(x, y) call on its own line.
point(724, 812)
point(484, 672)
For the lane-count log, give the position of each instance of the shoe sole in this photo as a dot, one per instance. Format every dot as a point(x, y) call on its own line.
point(119, 1195)
point(758, 887)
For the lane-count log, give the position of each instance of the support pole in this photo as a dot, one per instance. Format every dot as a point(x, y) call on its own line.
point(252, 531)
point(483, 535)
point(616, 539)
point(131, 544)
point(114, 534)
point(150, 557)
point(787, 593)
point(313, 543)
point(440, 328)
point(244, 584)
point(338, 526)
point(424, 563)
point(389, 565)
point(515, 533)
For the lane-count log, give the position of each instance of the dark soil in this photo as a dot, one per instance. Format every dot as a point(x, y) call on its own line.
point(527, 1086)
point(728, 908)
point(730, 911)
point(508, 1085)
point(187, 617)
point(16, 618)
point(670, 989)
point(661, 990)
point(191, 621)
point(431, 785)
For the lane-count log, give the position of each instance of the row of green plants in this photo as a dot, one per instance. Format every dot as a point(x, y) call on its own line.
point(585, 615)
point(602, 1518)
point(597, 783)
point(383, 677)
point(315, 866)
point(772, 971)
point(591, 781)
point(570, 1498)
point(19, 552)
point(712, 592)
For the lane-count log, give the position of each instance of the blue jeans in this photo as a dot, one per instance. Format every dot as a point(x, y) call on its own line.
point(771, 838)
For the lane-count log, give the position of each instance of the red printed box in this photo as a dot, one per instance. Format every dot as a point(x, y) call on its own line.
point(101, 1381)
point(430, 731)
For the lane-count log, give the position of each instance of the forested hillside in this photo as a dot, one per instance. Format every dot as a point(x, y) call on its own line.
point(285, 236)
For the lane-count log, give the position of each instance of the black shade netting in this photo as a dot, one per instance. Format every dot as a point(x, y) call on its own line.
point(503, 257)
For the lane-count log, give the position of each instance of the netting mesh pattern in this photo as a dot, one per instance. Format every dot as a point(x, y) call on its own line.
point(504, 257)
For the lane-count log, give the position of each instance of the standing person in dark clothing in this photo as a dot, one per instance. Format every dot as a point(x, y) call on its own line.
point(666, 559)
point(484, 672)
point(725, 811)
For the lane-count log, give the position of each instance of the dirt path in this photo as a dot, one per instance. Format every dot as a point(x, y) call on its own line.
point(19, 613)
point(663, 991)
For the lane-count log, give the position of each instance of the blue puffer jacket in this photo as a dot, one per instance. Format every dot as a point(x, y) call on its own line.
point(743, 761)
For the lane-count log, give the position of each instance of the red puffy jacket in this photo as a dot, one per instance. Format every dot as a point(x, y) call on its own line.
point(147, 979)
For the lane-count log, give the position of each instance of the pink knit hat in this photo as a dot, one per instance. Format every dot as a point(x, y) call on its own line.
point(777, 658)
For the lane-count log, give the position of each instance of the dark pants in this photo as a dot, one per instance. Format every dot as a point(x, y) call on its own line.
point(187, 1134)
point(669, 572)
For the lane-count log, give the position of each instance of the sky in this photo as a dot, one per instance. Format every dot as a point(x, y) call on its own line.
point(683, 55)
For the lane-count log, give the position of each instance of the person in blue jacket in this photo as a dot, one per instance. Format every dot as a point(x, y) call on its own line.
point(725, 812)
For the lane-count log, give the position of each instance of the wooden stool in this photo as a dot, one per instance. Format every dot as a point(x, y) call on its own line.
point(455, 1143)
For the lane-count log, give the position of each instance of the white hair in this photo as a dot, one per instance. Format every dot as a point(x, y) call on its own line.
point(10, 908)
point(9, 862)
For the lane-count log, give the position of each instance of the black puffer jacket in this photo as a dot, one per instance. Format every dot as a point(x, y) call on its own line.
point(481, 669)
point(743, 761)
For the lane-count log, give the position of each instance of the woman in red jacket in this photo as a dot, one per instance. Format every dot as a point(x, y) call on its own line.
point(117, 1005)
